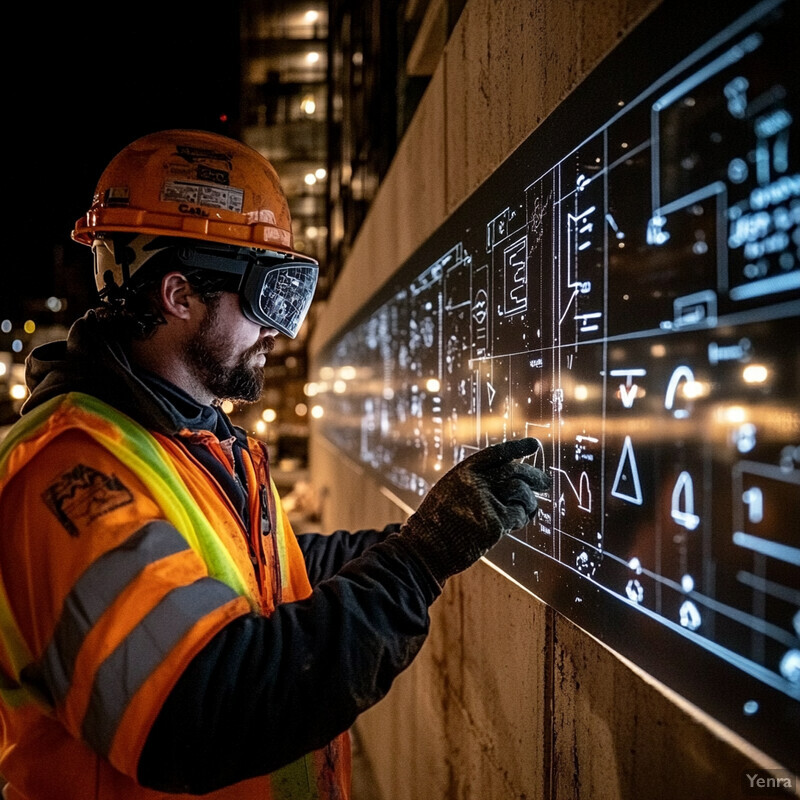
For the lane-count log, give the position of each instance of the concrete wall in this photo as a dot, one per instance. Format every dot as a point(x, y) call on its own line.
point(507, 699)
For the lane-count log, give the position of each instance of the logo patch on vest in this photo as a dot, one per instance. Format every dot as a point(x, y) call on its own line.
point(82, 495)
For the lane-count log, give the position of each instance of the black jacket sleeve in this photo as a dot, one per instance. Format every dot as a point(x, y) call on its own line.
point(326, 554)
point(265, 691)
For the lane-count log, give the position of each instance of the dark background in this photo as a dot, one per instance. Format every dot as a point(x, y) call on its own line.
point(89, 78)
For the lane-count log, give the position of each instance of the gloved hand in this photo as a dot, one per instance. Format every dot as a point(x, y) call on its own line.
point(472, 505)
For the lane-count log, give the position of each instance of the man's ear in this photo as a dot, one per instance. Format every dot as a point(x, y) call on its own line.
point(176, 295)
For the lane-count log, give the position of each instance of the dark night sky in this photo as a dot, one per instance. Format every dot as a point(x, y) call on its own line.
point(91, 78)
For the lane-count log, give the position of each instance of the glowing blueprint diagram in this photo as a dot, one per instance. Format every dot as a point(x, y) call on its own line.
point(632, 301)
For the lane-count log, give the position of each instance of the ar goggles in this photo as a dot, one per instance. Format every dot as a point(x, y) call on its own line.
point(274, 289)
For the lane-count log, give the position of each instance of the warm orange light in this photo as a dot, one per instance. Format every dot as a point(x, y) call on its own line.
point(755, 373)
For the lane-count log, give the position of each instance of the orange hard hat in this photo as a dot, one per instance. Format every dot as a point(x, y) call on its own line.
point(193, 184)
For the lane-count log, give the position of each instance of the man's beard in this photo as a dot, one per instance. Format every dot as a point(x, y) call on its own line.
point(205, 352)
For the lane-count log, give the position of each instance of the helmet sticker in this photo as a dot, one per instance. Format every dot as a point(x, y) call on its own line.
point(118, 196)
point(196, 155)
point(228, 198)
point(206, 173)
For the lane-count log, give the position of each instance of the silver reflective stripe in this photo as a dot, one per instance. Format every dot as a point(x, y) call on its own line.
point(93, 593)
point(124, 672)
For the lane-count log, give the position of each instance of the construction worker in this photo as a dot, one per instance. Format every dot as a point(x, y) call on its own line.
point(162, 629)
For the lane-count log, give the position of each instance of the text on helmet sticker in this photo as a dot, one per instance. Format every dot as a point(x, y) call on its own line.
point(228, 198)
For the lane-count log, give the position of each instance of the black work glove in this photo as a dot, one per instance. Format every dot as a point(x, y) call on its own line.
point(472, 505)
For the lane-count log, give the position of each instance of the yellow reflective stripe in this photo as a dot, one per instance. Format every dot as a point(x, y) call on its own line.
point(141, 453)
point(19, 656)
point(280, 534)
point(296, 781)
point(25, 428)
point(12, 693)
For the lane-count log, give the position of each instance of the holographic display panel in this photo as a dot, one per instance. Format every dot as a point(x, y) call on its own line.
point(626, 288)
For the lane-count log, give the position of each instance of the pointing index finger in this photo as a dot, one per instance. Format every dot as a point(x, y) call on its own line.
point(508, 451)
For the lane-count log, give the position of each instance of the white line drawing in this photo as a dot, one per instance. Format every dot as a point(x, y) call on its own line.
point(690, 616)
point(498, 228)
point(782, 552)
point(583, 492)
point(628, 394)
point(613, 224)
point(580, 225)
point(587, 321)
point(626, 482)
point(790, 666)
point(464, 451)
point(774, 125)
point(635, 591)
point(683, 502)
point(480, 307)
point(682, 373)
point(515, 276)
point(753, 498)
point(696, 308)
point(742, 475)
point(582, 443)
point(778, 283)
point(538, 459)
point(628, 390)
point(655, 230)
point(736, 92)
point(745, 437)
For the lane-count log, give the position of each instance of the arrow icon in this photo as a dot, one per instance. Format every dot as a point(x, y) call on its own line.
point(628, 394)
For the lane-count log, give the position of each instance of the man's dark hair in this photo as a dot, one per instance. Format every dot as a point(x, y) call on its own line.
point(133, 311)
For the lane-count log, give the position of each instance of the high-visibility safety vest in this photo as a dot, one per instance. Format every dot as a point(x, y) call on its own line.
point(119, 561)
